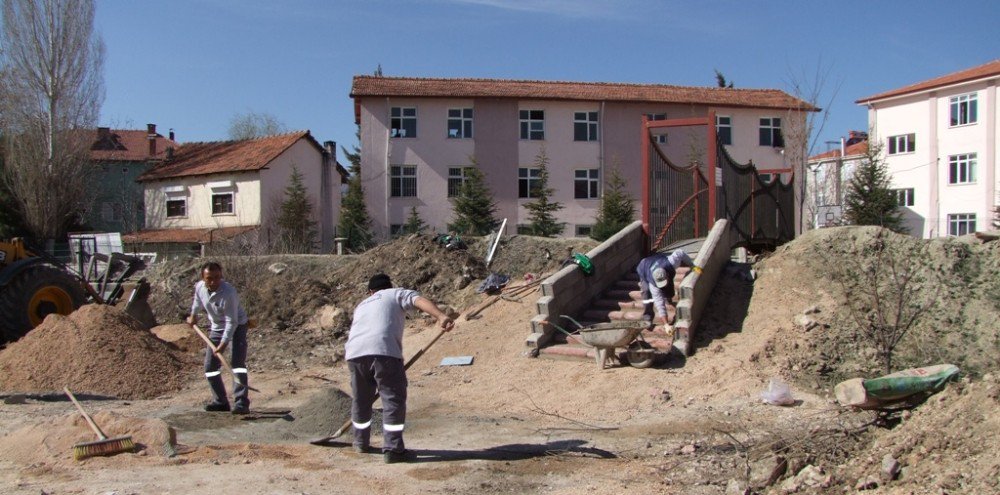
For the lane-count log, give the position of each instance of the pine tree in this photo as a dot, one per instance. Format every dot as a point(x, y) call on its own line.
point(355, 224)
point(474, 206)
point(295, 217)
point(869, 199)
point(414, 224)
point(541, 216)
point(617, 208)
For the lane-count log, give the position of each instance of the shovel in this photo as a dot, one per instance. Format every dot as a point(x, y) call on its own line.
point(347, 424)
point(225, 364)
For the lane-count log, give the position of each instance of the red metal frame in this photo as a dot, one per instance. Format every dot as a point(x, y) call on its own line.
point(712, 158)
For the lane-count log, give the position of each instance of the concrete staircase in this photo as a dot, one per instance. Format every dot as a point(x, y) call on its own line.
point(620, 301)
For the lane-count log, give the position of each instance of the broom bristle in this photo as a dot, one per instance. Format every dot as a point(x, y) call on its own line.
point(110, 446)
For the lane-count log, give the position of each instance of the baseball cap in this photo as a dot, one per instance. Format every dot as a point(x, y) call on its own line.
point(660, 277)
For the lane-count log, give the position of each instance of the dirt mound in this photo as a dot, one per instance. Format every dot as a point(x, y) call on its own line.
point(180, 335)
point(303, 303)
point(96, 349)
point(947, 445)
point(801, 276)
point(53, 439)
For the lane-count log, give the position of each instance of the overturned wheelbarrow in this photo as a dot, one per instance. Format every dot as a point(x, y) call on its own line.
point(606, 337)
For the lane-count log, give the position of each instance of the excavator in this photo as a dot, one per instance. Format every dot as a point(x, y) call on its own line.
point(33, 285)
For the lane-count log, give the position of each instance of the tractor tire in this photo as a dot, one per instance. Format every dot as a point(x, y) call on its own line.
point(34, 294)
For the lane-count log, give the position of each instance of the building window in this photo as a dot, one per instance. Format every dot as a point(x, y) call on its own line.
point(403, 122)
point(533, 125)
point(395, 230)
point(584, 126)
point(904, 143)
point(961, 223)
point(904, 197)
point(586, 183)
point(222, 203)
point(584, 230)
point(962, 169)
point(111, 212)
point(456, 179)
point(661, 136)
point(460, 123)
point(770, 132)
point(964, 109)
point(403, 181)
point(528, 182)
point(176, 208)
point(724, 129)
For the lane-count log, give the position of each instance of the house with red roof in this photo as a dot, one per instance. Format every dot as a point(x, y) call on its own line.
point(419, 135)
point(119, 157)
point(827, 177)
point(939, 139)
point(207, 192)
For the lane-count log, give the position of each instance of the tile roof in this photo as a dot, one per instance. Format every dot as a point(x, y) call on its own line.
point(225, 156)
point(856, 149)
point(187, 235)
point(978, 72)
point(563, 90)
point(127, 145)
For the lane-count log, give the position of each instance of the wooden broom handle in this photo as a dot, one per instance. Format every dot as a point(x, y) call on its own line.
point(90, 421)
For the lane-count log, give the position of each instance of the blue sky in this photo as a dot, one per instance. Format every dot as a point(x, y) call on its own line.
point(192, 65)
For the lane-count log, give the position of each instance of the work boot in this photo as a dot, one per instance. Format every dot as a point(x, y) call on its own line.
point(362, 449)
point(241, 410)
point(217, 407)
point(392, 457)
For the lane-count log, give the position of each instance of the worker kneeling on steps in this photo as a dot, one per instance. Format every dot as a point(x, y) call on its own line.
point(374, 353)
point(220, 302)
point(656, 282)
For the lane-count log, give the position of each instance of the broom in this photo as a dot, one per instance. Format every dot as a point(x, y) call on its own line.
point(103, 445)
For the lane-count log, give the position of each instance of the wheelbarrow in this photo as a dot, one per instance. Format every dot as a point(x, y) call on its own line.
point(606, 337)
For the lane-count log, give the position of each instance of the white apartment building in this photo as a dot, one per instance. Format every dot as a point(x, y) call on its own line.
point(939, 139)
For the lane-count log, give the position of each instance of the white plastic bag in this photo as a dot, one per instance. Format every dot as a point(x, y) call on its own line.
point(778, 393)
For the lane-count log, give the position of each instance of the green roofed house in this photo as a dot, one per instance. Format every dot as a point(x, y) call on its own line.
point(119, 157)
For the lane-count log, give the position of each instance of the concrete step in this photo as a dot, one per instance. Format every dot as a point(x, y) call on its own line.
point(616, 304)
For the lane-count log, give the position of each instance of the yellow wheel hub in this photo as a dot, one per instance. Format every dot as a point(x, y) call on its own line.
point(48, 300)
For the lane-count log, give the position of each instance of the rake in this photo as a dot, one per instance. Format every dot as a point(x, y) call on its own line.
point(103, 445)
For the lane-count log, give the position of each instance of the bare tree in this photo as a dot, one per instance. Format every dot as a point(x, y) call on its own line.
point(252, 125)
point(51, 79)
point(803, 125)
point(888, 290)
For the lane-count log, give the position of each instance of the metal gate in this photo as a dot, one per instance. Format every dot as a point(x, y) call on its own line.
point(683, 201)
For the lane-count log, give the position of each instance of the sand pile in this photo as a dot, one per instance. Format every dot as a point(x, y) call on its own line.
point(53, 439)
point(96, 349)
point(181, 336)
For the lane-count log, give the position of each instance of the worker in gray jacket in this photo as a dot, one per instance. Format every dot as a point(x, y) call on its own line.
point(220, 302)
point(374, 353)
point(656, 281)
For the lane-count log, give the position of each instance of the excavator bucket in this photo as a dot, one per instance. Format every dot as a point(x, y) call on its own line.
point(137, 305)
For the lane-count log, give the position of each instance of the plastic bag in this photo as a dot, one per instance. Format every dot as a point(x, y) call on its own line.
point(778, 393)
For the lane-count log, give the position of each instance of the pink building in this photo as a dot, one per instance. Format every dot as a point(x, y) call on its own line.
point(939, 139)
point(418, 134)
